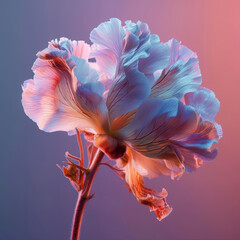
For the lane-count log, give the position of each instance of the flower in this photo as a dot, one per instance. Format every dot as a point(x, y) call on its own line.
point(140, 102)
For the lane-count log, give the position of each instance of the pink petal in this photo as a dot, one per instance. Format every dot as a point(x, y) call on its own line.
point(51, 99)
point(146, 196)
point(80, 49)
point(149, 167)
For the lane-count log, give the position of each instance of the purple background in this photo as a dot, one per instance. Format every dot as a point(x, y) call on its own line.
point(37, 202)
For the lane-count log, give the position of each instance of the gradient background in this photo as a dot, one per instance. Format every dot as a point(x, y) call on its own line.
point(37, 202)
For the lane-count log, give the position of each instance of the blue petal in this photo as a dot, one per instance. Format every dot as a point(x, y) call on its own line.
point(127, 92)
point(110, 35)
point(158, 58)
point(65, 45)
point(116, 47)
point(91, 95)
point(170, 130)
point(131, 45)
point(181, 76)
point(155, 113)
point(204, 102)
point(139, 37)
point(83, 72)
point(94, 87)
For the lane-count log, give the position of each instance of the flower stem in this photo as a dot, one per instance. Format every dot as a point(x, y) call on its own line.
point(84, 195)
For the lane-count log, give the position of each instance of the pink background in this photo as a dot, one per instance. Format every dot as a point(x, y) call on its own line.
point(36, 201)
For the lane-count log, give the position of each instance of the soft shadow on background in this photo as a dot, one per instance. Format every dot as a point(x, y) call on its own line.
point(37, 202)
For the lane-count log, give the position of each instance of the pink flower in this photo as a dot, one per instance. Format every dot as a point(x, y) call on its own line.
point(141, 103)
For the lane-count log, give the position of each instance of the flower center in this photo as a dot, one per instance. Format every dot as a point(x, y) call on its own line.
point(113, 148)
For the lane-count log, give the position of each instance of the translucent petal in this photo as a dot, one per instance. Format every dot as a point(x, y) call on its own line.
point(146, 196)
point(181, 76)
point(110, 35)
point(127, 93)
point(204, 102)
point(171, 131)
point(157, 59)
point(116, 47)
point(150, 167)
point(55, 99)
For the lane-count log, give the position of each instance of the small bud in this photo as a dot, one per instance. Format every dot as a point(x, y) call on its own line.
point(70, 172)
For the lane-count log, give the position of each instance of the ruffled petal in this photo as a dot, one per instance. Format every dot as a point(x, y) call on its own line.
point(181, 76)
point(55, 99)
point(158, 58)
point(127, 93)
point(219, 130)
point(107, 46)
point(83, 72)
point(206, 105)
point(116, 47)
point(151, 167)
point(80, 49)
point(204, 102)
point(109, 35)
point(106, 60)
point(170, 131)
point(146, 196)
point(137, 42)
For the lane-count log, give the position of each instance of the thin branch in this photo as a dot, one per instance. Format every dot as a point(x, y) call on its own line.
point(81, 163)
point(80, 147)
point(75, 165)
point(84, 195)
point(72, 156)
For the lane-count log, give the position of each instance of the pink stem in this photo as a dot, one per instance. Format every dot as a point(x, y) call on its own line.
point(84, 195)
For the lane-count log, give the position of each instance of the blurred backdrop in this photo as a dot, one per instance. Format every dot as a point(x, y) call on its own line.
point(37, 202)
